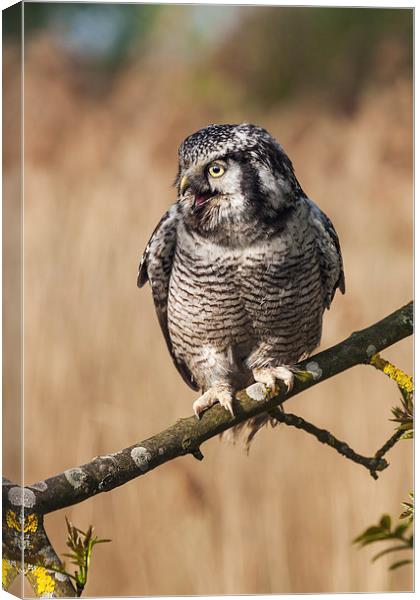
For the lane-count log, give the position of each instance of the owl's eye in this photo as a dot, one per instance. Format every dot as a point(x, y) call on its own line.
point(216, 170)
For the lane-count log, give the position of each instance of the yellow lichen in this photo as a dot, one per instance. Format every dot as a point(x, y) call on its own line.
point(41, 581)
point(304, 376)
point(9, 571)
point(30, 524)
point(404, 381)
point(12, 520)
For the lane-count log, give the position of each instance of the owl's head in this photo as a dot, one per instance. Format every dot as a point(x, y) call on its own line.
point(232, 174)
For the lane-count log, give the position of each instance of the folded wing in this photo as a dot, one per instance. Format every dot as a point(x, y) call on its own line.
point(156, 267)
point(331, 261)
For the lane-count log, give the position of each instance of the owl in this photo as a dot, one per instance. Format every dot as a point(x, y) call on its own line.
point(241, 266)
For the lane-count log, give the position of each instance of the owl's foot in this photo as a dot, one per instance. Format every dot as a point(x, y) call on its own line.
point(217, 393)
point(270, 375)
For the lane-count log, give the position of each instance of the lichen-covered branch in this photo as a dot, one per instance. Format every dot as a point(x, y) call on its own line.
point(104, 473)
point(28, 551)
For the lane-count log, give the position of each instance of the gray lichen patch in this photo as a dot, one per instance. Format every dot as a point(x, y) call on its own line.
point(47, 554)
point(407, 318)
point(60, 576)
point(370, 350)
point(76, 477)
point(39, 486)
point(19, 496)
point(141, 457)
point(110, 457)
point(314, 369)
point(257, 391)
point(115, 457)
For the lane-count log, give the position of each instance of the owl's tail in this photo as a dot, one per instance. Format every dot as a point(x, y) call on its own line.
point(245, 432)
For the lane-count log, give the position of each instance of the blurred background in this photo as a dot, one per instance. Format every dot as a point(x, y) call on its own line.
point(110, 92)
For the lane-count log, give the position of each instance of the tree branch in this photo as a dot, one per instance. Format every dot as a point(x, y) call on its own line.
point(104, 473)
point(27, 549)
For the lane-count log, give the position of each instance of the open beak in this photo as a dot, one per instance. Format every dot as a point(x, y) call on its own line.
point(200, 192)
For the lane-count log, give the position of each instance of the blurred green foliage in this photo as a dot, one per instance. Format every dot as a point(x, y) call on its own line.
point(102, 33)
point(12, 21)
point(404, 415)
point(262, 55)
point(278, 52)
point(401, 534)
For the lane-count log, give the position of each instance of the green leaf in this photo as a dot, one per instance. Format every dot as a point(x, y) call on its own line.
point(376, 538)
point(408, 435)
point(368, 532)
point(406, 425)
point(400, 563)
point(400, 530)
point(385, 522)
point(387, 551)
point(408, 513)
point(81, 545)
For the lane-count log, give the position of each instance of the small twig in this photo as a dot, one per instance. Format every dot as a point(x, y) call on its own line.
point(389, 444)
point(373, 464)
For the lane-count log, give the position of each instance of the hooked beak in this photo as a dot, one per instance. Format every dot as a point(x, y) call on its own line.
point(184, 185)
point(201, 193)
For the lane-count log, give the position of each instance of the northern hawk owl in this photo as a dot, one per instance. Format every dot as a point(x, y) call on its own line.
point(242, 265)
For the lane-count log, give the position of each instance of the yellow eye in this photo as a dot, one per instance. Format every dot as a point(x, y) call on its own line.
point(216, 170)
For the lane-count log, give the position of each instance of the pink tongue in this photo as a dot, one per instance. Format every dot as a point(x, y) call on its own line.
point(200, 200)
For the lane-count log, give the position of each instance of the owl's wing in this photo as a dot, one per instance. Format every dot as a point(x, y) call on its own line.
point(331, 261)
point(156, 267)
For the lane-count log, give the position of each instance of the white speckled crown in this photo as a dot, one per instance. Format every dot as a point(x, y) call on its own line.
point(221, 139)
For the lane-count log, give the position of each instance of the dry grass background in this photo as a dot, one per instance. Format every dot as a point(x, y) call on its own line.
point(97, 374)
